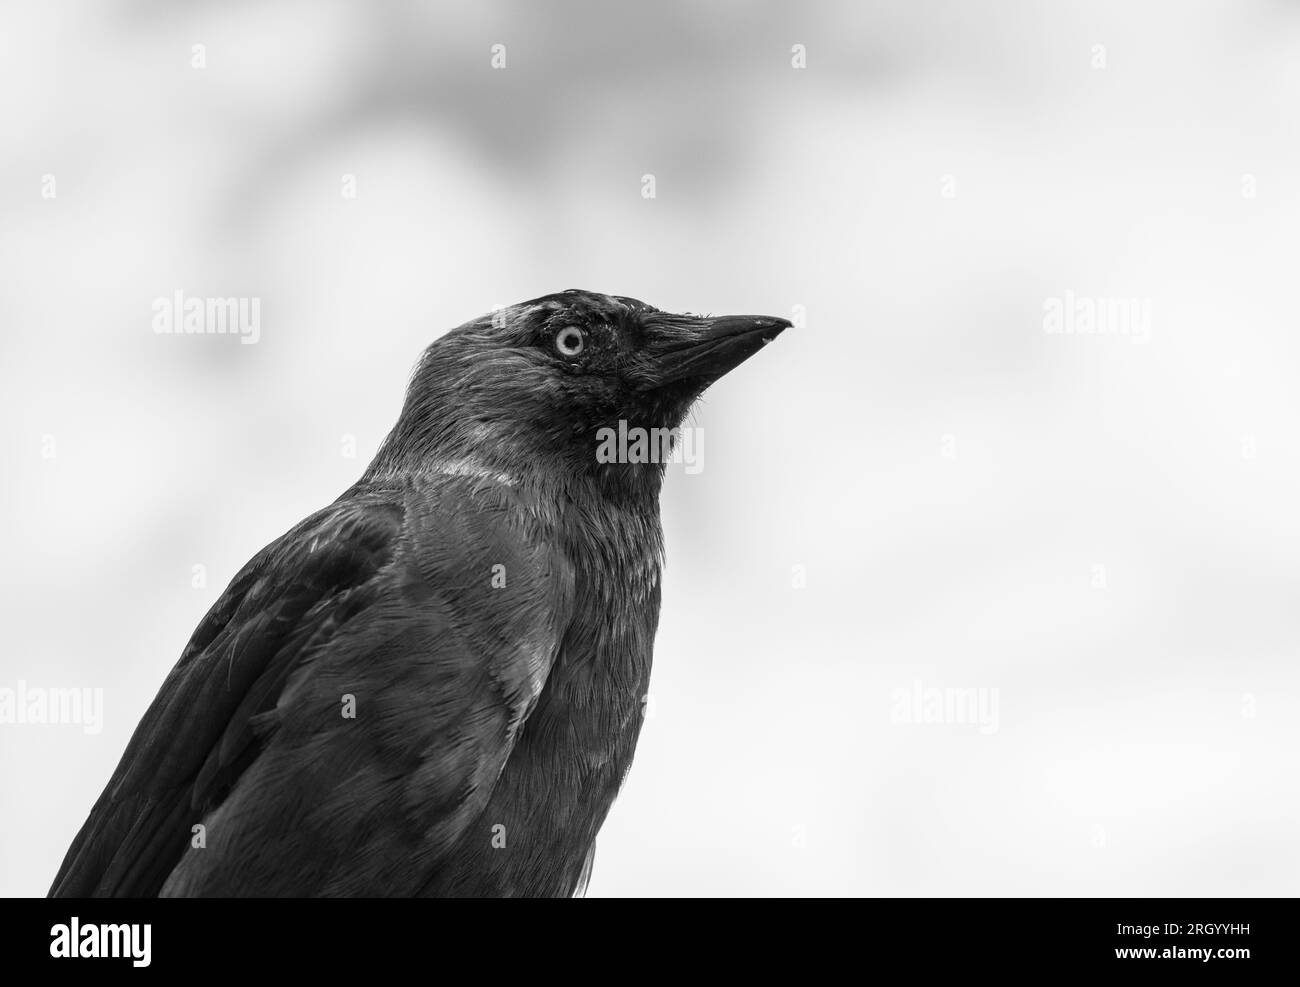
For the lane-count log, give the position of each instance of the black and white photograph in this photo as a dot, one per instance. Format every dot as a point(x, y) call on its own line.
point(706, 450)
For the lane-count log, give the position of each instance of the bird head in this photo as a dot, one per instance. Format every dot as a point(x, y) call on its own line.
point(538, 382)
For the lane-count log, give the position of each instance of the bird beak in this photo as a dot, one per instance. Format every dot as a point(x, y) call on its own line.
point(704, 349)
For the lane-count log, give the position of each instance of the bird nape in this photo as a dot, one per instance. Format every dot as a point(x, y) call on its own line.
point(434, 685)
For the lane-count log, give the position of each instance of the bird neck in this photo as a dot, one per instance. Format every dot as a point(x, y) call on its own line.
point(491, 451)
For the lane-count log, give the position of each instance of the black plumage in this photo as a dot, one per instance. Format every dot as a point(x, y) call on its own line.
point(487, 596)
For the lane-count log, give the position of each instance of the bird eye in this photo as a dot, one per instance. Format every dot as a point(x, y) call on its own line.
point(569, 341)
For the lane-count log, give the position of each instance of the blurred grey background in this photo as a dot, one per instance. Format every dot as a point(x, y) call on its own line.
point(922, 488)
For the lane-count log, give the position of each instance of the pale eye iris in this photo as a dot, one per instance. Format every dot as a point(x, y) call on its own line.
point(569, 341)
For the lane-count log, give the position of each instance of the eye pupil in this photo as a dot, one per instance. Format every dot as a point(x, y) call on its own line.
point(569, 341)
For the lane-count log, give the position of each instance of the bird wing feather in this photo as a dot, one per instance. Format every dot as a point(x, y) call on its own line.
point(385, 600)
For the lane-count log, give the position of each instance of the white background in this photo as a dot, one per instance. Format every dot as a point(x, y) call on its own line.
point(948, 474)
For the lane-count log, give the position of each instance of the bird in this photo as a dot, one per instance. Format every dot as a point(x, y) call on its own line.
point(434, 686)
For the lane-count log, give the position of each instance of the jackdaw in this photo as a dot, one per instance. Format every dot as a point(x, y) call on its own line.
point(434, 685)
